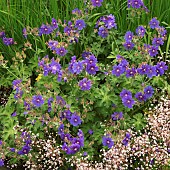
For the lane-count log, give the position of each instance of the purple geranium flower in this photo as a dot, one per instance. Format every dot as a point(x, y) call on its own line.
point(90, 131)
point(45, 29)
point(97, 3)
point(128, 101)
point(24, 32)
point(103, 32)
point(38, 100)
point(77, 67)
point(107, 141)
point(25, 150)
point(140, 31)
point(125, 93)
point(128, 45)
point(54, 24)
point(8, 41)
point(148, 92)
point(157, 41)
point(140, 96)
point(1, 162)
point(61, 51)
point(136, 3)
point(153, 51)
point(2, 34)
point(154, 23)
point(55, 67)
point(151, 71)
point(61, 129)
point(128, 36)
point(117, 70)
point(66, 148)
point(130, 72)
point(117, 115)
point(143, 69)
point(75, 120)
point(74, 148)
point(161, 67)
point(13, 114)
point(92, 68)
point(80, 24)
point(85, 84)
point(79, 141)
point(161, 30)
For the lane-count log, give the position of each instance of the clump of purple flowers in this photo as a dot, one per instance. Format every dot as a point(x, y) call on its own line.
point(104, 24)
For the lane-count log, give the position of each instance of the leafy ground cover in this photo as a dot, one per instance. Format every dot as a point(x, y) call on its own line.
point(80, 83)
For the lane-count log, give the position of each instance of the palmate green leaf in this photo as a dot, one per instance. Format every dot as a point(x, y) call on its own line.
point(138, 121)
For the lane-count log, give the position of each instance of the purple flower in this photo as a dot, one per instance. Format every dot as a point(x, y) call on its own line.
point(128, 101)
point(1, 162)
point(75, 120)
point(154, 23)
point(52, 44)
point(66, 148)
point(161, 67)
point(27, 105)
point(61, 51)
point(77, 67)
point(49, 104)
point(8, 41)
point(0, 142)
point(128, 36)
point(25, 150)
point(128, 45)
point(117, 70)
point(161, 30)
point(54, 24)
point(54, 66)
point(148, 92)
point(130, 72)
point(76, 11)
point(91, 59)
point(80, 24)
point(13, 114)
point(143, 69)
point(45, 29)
point(90, 131)
point(80, 133)
point(97, 3)
point(110, 21)
point(2, 34)
point(107, 141)
point(126, 139)
point(85, 154)
point(60, 101)
point(140, 31)
point(24, 32)
point(125, 93)
point(153, 51)
point(117, 115)
point(151, 71)
point(85, 84)
point(12, 149)
point(136, 3)
point(103, 32)
point(86, 54)
point(140, 96)
point(79, 141)
point(16, 83)
point(157, 41)
point(74, 148)
point(61, 129)
point(38, 100)
point(92, 68)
